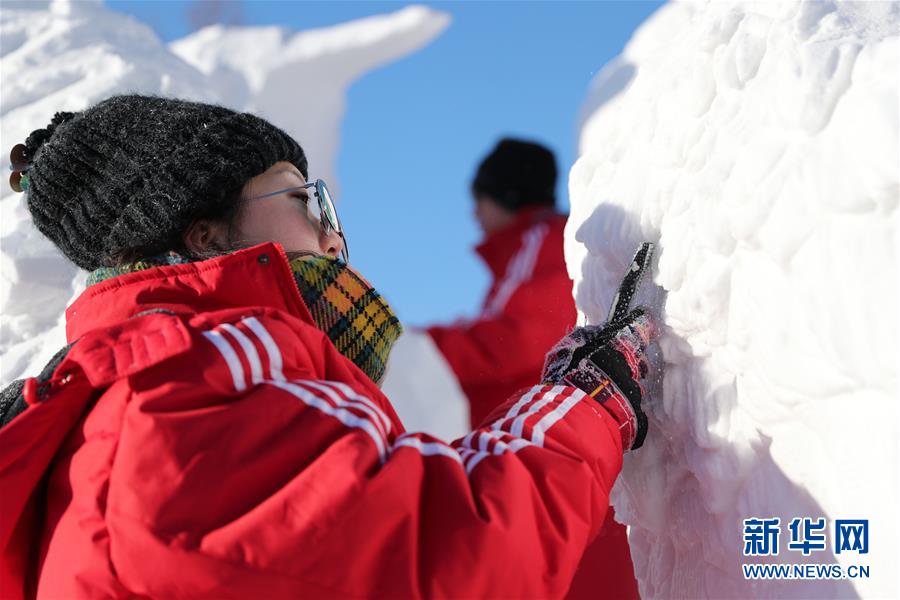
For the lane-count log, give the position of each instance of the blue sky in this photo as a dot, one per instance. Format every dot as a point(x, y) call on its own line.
point(416, 129)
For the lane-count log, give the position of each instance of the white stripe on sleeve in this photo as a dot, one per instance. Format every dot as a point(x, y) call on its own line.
point(428, 448)
point(249, 350)
point(368, 408)
point(519, 424)
point(275, 360)
point(342, 414)
point(537, 433)
point(475, 460)
point(230, 356)
point(351, 393)
point(515, 408)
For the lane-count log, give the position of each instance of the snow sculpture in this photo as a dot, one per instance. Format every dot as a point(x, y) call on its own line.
point(69, 54)
point(757, 143)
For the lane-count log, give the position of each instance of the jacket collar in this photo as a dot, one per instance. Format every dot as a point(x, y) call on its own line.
point(257, 276)
point(498, 248)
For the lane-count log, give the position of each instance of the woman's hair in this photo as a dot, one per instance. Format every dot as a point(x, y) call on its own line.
point(228, 214)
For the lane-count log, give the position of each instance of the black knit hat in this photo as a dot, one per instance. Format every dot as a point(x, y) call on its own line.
point(135, 171)
point(517, 174)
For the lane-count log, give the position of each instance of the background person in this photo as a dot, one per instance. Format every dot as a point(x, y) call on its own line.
point(528, 307)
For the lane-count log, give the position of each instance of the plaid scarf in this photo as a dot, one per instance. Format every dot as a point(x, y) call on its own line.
point(354, 316)
point(359, 322)
point(104, 273)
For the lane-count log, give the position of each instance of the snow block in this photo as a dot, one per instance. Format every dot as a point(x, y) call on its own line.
point(757, 145)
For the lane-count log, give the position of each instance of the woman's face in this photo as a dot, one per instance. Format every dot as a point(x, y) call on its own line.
point(283, 218)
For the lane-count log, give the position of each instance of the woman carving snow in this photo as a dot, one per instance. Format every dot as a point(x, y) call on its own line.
point(214, 428)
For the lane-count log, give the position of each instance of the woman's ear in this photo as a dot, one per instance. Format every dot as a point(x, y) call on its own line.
point(203, 235)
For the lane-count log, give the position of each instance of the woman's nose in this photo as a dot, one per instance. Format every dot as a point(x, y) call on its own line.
point(332, 243)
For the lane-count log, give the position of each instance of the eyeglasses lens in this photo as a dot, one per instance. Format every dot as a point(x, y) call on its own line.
point(328, 205)
point(313, 205)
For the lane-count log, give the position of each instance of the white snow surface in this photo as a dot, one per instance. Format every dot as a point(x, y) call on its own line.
point(67, 55)
point(757, 144)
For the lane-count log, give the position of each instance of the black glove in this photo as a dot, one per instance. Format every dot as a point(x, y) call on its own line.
point(607, 362)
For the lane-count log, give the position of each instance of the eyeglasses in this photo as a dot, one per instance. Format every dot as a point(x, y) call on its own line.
point(323, 211)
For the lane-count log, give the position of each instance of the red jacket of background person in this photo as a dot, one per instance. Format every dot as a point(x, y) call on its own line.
point(528, 308)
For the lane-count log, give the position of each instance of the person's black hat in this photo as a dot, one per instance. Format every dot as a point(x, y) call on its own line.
point(517, 174)
point(134, 171)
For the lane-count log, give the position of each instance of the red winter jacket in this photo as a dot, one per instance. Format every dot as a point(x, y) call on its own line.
point(219, 446)
point(528, 308)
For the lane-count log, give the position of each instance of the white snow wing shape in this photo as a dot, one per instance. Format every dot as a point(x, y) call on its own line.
point(757, 144)
point(69, 54)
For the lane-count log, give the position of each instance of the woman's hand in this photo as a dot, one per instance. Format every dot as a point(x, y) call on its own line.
point(608, 362)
